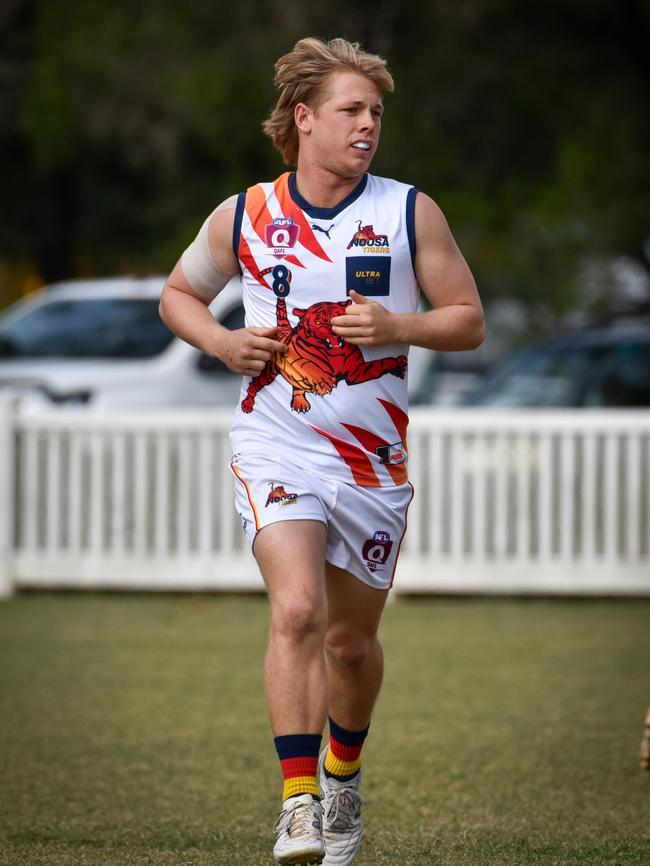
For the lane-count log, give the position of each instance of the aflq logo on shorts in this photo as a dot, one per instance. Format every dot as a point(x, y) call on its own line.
point(377, 550)
point(281, 236)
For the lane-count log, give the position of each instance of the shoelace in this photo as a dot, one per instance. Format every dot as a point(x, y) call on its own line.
point(343, 809)
point(295, 821)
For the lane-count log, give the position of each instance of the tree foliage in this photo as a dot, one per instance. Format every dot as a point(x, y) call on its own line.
point(122, 125)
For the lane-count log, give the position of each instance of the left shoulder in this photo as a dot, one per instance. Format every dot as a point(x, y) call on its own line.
point(430, 221)
point(389, 185)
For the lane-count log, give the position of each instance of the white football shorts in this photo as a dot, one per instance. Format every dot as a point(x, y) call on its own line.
point(365, 525)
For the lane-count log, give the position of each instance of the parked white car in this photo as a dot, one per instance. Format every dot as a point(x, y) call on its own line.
point(101, 342)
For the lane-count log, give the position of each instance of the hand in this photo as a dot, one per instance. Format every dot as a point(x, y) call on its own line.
point(365, 323)
point(248, 350)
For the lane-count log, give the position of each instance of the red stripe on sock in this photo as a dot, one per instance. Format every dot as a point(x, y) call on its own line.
point(343, 752)
point(302, 766)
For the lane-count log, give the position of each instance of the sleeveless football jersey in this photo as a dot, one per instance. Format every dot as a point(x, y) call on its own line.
point(335, 408)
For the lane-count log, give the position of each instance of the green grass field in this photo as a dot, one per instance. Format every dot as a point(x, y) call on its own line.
point(133, 732)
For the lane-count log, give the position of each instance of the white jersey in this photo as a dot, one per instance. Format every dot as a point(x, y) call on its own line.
point(336, 408)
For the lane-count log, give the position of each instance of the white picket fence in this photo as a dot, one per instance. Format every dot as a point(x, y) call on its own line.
point(506, 501)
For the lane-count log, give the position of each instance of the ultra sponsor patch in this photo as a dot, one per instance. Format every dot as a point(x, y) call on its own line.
point(368, 275)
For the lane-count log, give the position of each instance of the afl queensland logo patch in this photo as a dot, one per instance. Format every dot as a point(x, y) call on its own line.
point(368, 275)
point(376, 551)
point(281, 236)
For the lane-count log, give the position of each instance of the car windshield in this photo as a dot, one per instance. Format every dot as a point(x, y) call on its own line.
point(87, 328)
point(597, 375)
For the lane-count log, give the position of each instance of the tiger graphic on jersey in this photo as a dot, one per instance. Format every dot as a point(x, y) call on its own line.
point(317, 359)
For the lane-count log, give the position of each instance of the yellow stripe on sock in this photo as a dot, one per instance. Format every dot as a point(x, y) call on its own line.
point(300, 785)
point(337, 767)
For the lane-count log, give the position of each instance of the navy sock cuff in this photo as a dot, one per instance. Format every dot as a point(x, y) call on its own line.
point(341, 778)
point(347, 738)
point(297, 746)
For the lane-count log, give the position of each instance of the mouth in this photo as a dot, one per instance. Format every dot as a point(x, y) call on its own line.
point(363, 146)
point(334, 342)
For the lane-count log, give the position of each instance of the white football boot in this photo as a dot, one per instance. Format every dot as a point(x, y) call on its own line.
point(299, 829)
point(342, 822)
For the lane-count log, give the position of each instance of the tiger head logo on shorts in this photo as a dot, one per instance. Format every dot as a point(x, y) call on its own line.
point(317, 359)
point(279, 496)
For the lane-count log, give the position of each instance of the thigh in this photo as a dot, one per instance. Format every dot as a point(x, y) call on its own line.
point(291, 557)
point(284, 513)
point(353, 606)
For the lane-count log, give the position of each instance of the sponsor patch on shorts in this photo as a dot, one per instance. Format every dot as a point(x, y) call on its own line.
point(393, 455)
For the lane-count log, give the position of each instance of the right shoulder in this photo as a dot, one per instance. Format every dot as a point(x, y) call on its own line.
point(228, 204)
point(221, 229)
point(225, 221)
point(224, 213)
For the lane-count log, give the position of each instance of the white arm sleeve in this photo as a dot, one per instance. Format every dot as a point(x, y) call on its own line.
point(199, 267)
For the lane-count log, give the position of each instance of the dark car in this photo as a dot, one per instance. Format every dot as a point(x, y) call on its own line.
point(599, 366)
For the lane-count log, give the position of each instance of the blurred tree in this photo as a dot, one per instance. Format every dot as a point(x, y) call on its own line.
point(122, 125)
point(537, 133)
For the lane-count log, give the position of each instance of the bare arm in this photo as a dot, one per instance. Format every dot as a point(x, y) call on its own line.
point(456, 320)
point(184, 307)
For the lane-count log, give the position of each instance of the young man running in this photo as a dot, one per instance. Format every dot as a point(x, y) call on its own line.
point(332, 261)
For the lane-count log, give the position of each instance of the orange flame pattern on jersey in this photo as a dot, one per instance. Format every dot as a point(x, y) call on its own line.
point(291, 209)
point(260, 216)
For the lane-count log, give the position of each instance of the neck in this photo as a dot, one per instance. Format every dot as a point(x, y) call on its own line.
point(322, 188)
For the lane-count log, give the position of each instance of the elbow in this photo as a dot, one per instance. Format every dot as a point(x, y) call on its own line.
point(162, 306)
point(478, 333)
point(474, 331)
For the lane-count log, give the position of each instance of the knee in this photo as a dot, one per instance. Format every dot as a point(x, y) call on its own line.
point(350, 649)
point(298, 620)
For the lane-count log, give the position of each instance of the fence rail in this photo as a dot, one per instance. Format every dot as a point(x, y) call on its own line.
point(506, 501)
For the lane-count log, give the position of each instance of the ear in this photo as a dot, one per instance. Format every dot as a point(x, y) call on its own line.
point(302, 115)
point(299, 313)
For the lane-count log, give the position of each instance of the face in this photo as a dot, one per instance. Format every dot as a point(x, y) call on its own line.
point(341, 134)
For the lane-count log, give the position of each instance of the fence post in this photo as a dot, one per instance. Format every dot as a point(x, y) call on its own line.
point(7, 494)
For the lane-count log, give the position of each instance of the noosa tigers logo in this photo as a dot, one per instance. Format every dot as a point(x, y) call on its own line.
point(317, 359)
point(366, 237)
point(279, 496)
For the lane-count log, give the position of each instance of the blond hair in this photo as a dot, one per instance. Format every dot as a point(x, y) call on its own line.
point(300, 76)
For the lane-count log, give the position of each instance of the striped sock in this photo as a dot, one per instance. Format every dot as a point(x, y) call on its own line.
point(298, 754)
point(343, 760)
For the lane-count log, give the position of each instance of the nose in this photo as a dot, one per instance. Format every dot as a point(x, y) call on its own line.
point(367, 120)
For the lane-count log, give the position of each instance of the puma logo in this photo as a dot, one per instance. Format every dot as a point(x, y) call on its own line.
point(324, 231)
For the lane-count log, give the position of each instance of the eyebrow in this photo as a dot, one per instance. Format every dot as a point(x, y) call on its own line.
point(362, 102)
